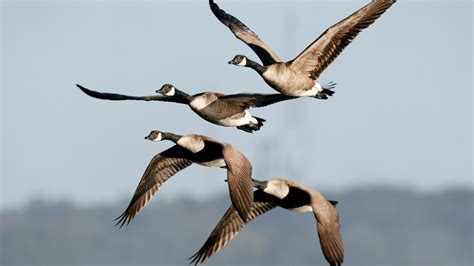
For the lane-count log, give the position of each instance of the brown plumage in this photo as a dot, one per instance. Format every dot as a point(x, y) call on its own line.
point(319, 54)
point(191, 149)
point(230, 225)
point(220, 109)
point(298, 76)
point(161, 168)
point(245, 34)
point(289, 195)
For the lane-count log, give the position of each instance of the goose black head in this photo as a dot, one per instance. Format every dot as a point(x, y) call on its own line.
point(167, 90)
point(239, 60)
point(155, 136)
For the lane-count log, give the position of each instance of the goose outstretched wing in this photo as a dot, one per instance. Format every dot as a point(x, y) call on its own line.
point(319, 54)
point(329, 231)
point(230, 225)
point(256, 99)
point(161, 168)
point(245, 34)
point(239, 180)
point(122, 97)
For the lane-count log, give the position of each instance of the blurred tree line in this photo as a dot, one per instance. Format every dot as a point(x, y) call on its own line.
point(380, 226)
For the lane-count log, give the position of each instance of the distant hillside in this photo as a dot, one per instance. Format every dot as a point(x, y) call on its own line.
point(380, 227)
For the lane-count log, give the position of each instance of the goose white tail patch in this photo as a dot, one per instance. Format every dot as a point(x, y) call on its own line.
point(313, 91)
point(318, 87)
point(190, 143)
point(236, 122)
point(253, 119)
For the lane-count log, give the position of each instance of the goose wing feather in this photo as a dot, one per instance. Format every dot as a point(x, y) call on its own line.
point(161, 168)
point(329, 232)
point(239, 179)
point(122, 97)
point(245, 34)
point(230, 225)
point(255, 99)
point(319, 54)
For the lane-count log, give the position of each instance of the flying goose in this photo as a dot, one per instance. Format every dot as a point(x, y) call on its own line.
point(217, 108)
point(191, 149)
point(298, 76)
point(288, 195)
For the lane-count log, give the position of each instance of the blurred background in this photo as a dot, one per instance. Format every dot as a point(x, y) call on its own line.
point(393, 146)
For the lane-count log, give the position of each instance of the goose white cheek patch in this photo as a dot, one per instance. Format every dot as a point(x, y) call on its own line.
point(159, 137)
point(243, 62)
point(171, 92)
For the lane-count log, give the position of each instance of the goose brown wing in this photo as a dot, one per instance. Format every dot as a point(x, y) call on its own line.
point(230, 225)
point(256, 99)
point(319, 54)
point(245, 34)
point(239, 179)
point(161, 168)
point(329, 232)
point(121, 97)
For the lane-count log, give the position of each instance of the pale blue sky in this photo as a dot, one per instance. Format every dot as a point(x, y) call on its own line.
point(402, 114)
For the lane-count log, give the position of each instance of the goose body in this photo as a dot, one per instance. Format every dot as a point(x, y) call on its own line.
point(289, 195)
point(217, 108)
point(212, 108)
point(191, 149)
point(298, 76)
point(280, 76)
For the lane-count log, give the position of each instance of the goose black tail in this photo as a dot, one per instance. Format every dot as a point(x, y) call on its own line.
point(251, 127)
point(327, 90)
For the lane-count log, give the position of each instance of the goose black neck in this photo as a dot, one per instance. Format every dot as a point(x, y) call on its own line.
point(183, 95)
point(170, 136)
point(255, 66)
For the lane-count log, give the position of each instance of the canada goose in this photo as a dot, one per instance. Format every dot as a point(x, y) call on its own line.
point(298, 76)
point(288, 195)
point(192, 149)
point(217, 108)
